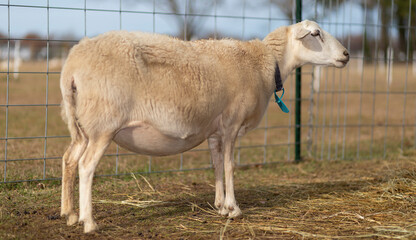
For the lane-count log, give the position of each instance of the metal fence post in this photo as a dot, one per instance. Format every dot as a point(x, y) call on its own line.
point(298, 93)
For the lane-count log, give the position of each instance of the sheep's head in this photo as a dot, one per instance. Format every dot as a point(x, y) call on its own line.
point(304, 43)
point(316, 46)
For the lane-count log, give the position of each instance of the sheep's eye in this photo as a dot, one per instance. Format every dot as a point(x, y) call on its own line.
point(316, 33)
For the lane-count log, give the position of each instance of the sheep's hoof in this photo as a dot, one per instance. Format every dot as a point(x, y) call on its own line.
point(223, 211)
point(219, 203)
point(71, 219)
point(90, 227)
point(235, 213)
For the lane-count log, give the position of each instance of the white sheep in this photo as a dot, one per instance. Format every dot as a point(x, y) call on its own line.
point(157, 95)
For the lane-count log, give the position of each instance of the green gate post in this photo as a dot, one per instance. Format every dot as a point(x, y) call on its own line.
point(298, 93)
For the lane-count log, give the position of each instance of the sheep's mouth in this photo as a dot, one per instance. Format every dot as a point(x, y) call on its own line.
point(343, 62)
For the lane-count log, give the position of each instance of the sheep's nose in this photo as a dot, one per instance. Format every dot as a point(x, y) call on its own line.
point(346, 53)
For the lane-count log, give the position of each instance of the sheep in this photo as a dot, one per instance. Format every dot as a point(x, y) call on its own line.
point(157, 95)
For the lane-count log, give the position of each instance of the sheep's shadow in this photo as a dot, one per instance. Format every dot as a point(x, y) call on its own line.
point(252, 197)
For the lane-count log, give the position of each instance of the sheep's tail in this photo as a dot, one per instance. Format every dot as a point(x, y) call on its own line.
point(68, 105)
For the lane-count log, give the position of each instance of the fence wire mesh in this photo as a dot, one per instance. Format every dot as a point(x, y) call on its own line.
point(366, 110)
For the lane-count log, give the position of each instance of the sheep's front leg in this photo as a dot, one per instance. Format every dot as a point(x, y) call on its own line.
point(87, 165)
point(230, 204)
point(215, 146)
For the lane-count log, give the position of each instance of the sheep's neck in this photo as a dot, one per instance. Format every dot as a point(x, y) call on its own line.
point(277, 41)
point(287, 64)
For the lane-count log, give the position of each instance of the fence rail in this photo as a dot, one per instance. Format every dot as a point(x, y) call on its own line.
point(366, 110)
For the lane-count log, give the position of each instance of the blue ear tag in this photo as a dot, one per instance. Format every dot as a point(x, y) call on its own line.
point(280, 102)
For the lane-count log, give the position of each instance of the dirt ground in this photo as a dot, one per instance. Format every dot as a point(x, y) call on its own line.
point(372, 199)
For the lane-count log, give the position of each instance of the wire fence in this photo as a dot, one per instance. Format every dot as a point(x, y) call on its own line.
point(366, 110)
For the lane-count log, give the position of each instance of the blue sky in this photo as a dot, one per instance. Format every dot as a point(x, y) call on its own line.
point(70, 23)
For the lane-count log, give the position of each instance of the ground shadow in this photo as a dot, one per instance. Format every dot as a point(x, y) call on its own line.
point(263, 196)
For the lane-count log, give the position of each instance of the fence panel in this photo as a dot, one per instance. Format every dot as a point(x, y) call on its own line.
point(365, 110)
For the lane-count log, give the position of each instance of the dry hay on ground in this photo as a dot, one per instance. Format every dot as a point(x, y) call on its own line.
point(312, 200)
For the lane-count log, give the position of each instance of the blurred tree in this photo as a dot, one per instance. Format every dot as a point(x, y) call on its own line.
point(400, 19)
point(3, 39)
point(328, 5)
point(36, 45)
point(189, 25)
point(367, 7)
point(288, 7)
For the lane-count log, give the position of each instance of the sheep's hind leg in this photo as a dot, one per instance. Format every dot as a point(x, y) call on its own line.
point(69, 167)
point(88, 163)
point(215, 147)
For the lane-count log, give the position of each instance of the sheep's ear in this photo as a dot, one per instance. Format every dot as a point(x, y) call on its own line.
point(301, 33)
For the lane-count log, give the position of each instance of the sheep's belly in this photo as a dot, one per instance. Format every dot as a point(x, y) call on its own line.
point(147, 140)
